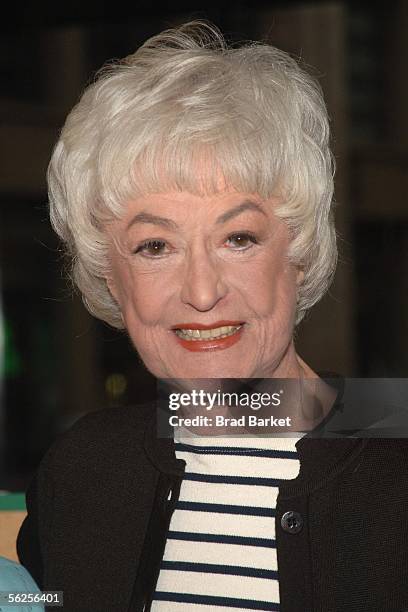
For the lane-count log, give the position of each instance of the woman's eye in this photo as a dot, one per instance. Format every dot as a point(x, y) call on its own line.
point(241, 242)
point(151, 248)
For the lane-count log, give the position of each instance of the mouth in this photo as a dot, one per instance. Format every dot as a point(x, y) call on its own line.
point(198, 337)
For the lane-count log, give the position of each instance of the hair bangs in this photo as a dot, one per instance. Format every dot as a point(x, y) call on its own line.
point(186, 157)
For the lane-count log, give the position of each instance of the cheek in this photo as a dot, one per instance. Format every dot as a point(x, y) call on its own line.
point(141, 300)
point(270, 287)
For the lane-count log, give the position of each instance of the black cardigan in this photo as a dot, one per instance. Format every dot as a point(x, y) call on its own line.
point(98, 513)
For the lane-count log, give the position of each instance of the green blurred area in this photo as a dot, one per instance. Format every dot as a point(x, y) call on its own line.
point(11, 364)
point(12, 501)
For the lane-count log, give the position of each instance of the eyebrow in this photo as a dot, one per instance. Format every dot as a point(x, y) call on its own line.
point(145, 217)
point(237, 210)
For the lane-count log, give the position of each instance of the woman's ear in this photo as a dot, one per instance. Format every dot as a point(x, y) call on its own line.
point(112, 288)
point(114, 293)
point(300, 276)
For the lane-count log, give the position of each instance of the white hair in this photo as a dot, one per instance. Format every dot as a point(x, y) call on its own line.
point(144, 124)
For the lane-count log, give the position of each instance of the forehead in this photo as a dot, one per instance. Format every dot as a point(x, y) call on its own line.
point(174, 208)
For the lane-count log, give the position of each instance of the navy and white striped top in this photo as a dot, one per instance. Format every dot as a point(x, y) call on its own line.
point(220, 552)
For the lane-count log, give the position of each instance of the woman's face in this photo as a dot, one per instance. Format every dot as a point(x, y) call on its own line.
point(204, 285)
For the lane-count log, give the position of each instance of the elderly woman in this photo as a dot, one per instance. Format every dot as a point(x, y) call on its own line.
point(192, 186)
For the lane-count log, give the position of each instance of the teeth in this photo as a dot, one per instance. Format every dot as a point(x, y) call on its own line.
point(207, 334)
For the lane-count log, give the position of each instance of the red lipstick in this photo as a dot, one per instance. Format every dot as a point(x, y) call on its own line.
point(213, 344)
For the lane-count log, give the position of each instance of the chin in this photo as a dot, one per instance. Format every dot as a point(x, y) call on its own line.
point(213, 370)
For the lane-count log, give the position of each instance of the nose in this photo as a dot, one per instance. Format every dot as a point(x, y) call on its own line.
point(202, 284)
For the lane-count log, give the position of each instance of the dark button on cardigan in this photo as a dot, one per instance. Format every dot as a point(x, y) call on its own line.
point(291, 522)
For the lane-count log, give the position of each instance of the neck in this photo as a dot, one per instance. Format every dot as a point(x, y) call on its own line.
point(292, 366)
point(311, 401)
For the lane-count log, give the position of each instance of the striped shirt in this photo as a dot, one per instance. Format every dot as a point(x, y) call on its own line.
point(220, 551)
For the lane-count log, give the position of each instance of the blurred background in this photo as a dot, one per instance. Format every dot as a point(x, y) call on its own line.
point(56, 362)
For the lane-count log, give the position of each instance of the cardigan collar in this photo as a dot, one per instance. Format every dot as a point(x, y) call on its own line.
point(161, 450)
point(320, 458)
point(323, 455)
